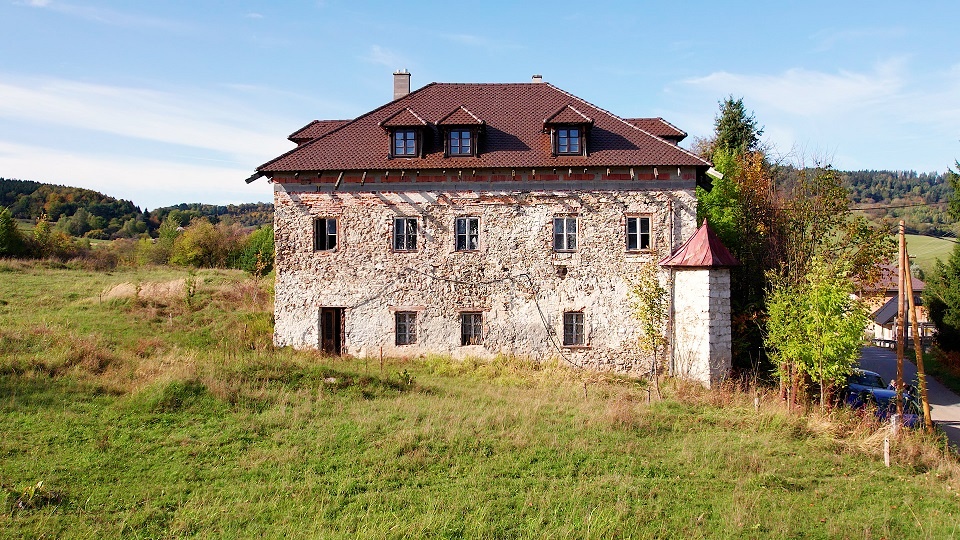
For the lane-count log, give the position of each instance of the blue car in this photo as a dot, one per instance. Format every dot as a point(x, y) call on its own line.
point(866, 388)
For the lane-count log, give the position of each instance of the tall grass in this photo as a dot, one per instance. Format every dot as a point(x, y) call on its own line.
point(167, 413)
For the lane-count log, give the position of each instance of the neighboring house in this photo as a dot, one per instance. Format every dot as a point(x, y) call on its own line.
point(484, 219)
point(882, 299)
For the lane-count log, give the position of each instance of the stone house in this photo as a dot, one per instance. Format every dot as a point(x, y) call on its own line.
point(482, 219)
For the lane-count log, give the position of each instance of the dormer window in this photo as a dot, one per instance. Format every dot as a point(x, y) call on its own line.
point(568, 141)
point(568, 131)
point(461, 133)
point(460, 142)
point(407, 129)
point(405, 143)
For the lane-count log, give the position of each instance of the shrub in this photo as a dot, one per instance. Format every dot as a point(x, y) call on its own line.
point(12, 243)
point(205, 245)
point(257, 255)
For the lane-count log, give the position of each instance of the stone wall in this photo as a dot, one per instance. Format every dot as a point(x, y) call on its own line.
point(521, 286)
point(702, 334)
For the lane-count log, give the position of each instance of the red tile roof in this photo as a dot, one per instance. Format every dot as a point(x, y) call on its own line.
point(568, 115)
point(460, 116)
point(317, 128)
point(703, 250)
point(887, 281)
point(403, 118)
point(513, 136)
point(659, 127)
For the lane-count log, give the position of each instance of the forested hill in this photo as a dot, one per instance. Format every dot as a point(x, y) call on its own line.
point(894, 195)
point(84, 212)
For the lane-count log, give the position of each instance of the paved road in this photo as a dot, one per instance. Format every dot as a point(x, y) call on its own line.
point(944, 404)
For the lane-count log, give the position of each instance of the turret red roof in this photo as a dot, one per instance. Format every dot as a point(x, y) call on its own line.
point(703, 250)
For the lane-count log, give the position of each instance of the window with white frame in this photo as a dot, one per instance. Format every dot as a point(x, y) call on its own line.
point(405, 234)
point(573, 334)
point(406, 327)
point(565, 233)
point(471, 328)
point(638, 233)
point(467, 231)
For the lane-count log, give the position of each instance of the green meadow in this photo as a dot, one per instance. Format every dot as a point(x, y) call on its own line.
point(150, 403)
point(925, 250)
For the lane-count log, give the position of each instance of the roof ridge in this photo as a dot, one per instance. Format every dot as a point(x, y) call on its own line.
point(601, 109)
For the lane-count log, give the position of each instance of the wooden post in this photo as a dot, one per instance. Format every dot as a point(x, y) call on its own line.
point(901, 337)
point(918, 349)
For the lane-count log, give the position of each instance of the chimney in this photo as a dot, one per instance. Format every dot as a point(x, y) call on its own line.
point(401, 83)
point(536, 79)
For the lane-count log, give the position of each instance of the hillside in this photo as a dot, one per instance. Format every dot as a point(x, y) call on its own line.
point(151, 404)
point(918, 199)
point(87, 213)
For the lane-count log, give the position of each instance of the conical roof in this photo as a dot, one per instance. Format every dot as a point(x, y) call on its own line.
point(703, 250)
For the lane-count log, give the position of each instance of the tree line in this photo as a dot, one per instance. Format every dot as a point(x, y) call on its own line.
point(86, 213)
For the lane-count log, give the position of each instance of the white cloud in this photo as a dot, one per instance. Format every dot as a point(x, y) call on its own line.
point(213, 124)
point(889, 116)
point(254, 15)
point(147, 182)
point(804, 92)
point(104, 16)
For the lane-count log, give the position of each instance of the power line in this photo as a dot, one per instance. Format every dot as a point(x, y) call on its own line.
point(889, 206)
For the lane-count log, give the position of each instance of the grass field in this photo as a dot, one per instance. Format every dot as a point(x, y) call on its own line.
point(925, 250)
point(150, 404)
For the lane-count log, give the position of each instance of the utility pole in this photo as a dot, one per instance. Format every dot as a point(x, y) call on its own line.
point(901, 337)
point(918, 349)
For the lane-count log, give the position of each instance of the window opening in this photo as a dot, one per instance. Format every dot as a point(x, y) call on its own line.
point(324, 234)
point(468, 233)
point(406, 327)
point(405, 234)
point(573, 328)
point(565, 234)
point(568, 141)
point(638, 233)
point(405, 142)
point(460, 143)
point(471, 328)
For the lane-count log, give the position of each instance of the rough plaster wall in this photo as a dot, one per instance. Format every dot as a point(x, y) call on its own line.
point(702, 324)
point(371, 281)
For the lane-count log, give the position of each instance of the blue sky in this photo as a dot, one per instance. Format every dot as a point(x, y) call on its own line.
point(179, 101)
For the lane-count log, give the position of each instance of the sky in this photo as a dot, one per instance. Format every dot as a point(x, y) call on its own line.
point(179, 101)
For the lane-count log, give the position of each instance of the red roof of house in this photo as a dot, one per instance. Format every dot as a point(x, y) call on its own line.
point(659, 127)
point(887, 280)
point(703, 250)
point(317, 128)
point(568, 115)
point(460, 116)
point(514, 135)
